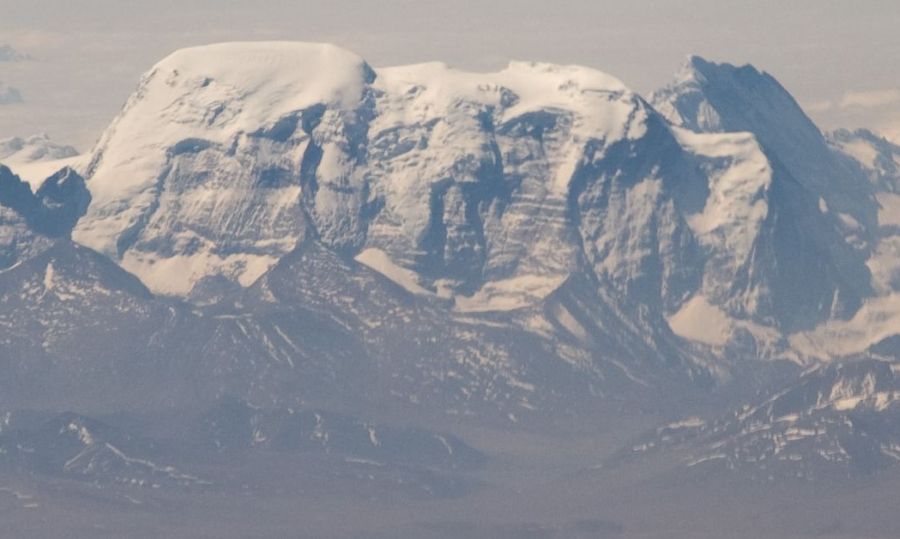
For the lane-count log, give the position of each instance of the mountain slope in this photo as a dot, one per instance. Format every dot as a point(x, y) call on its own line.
point(837, 420)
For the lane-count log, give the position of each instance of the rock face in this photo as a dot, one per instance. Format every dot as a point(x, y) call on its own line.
point(56, 206)
point(879, 160)
point(30, 221)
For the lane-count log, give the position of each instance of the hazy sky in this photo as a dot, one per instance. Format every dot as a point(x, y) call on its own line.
point(841, 59)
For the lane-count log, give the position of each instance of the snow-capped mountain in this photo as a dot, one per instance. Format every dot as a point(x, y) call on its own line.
point(805, 262)
point(490, 190)
point(19, 150)
point(408, 162)
point(283, 224)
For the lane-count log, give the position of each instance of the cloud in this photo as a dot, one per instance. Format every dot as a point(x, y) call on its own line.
point(9, 54)
point(35, 39)
point(870, 99)
point(863, 100)
point(9, 95)
point(892, 134)
point(819, 106)
point(889, 128)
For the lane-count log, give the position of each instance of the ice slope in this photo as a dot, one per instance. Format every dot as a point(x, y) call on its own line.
point(879, 160)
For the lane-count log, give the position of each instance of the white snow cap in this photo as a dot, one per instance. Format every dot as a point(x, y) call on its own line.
point(151, 180)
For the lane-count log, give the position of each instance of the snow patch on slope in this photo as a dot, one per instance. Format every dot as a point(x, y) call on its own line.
point(878, 319)
point(379, 261)
point(509, 294)
point(177, 275)
point(736, 207)
point(48, 277)
point(700, 321)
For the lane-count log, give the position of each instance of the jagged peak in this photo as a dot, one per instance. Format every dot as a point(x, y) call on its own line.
point(721, 97)
point(702, 64)
point(703, 71)
point(739, 85)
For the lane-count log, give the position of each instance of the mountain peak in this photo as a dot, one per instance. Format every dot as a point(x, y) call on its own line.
point(694, 65)
point(703, 90)
point(720, 97)
point(287, 132)
point(710, 69)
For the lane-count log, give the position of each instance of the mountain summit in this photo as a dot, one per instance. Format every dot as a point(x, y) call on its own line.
point(234, 153)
